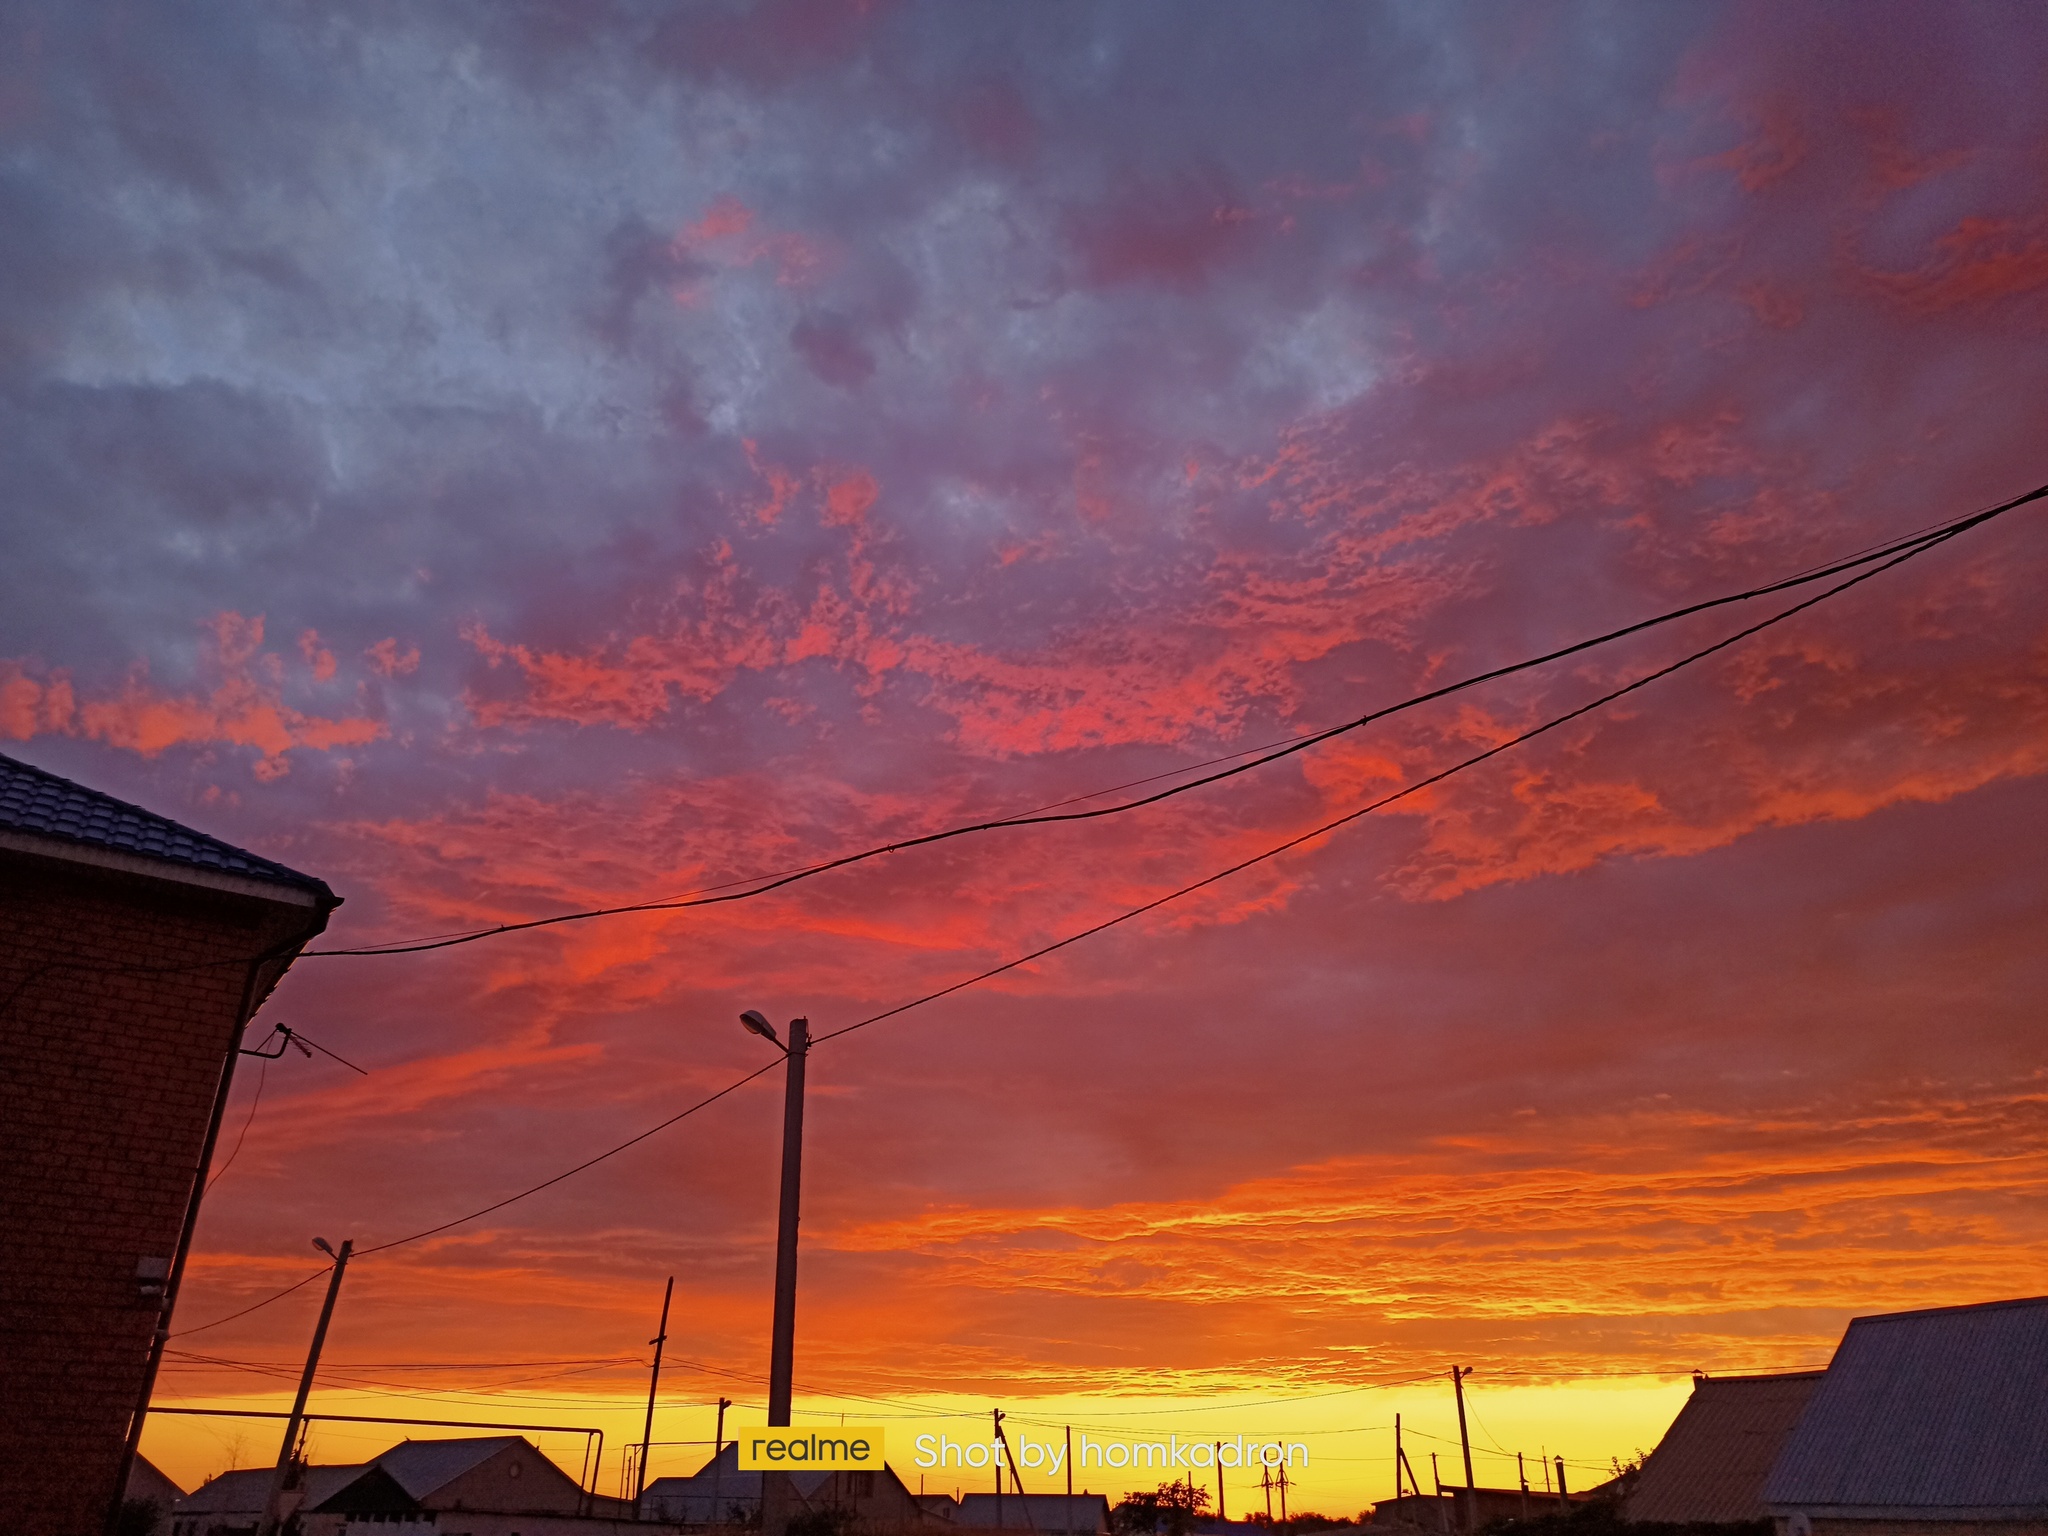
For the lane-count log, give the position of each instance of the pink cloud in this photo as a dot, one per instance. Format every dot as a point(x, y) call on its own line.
point(388, 659)
point(246, 708)
point(318, 657)
point(1981, 261)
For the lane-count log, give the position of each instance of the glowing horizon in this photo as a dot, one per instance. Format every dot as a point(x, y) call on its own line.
point(513, 460)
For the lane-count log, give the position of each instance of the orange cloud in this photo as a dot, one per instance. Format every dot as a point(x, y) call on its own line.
point(1710, 1224)
point(716, 628)
point(246, 709)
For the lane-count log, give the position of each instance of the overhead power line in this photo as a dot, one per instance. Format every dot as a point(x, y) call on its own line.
point(1880, 557)
point(254, 1307)
point(1367, 809)
point(1899, 553)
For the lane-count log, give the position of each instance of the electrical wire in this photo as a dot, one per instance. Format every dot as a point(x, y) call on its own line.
point(1896, 553)
point(1306, 1397)
point(300, 1034)
point(1366, 810)
point(1886, 552)
point(259, 1306)
point(262, 1074)
point(570, 1173)
point(262, 1078)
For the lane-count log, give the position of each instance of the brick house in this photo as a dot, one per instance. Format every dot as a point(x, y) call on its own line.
point(132, 952)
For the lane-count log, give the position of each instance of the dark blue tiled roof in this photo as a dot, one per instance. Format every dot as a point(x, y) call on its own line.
point(34, 801)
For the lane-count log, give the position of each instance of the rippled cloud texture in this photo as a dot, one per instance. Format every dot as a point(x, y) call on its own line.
point(520, 457)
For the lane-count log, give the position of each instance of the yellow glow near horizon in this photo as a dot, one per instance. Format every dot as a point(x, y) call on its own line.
point(1350, 1434)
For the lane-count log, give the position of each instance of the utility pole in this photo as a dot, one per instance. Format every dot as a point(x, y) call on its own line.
point(1522, 1474)
point(1070, 1480)
point(1282, 1480)
point(1458, 1375)
point(1222, 1513)
point(1564, 1497)
point(996, 1416)
point(653, 1380)
point(1003, 1453)
point(1397, 1459)
point(782, 1341)
point(718, 1464)
point(1266, 1482)
point(777, 1492)
point(282, 1478)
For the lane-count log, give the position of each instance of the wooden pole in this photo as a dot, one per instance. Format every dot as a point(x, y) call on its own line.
point(281, 1479)
point(1458, 1375)
point(653, 1380)
point(782, 1338)
point(718, 1464)
point(1016, 1478)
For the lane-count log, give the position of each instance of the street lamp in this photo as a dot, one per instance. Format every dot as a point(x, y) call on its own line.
point(285, 1477)
point(782, 1340)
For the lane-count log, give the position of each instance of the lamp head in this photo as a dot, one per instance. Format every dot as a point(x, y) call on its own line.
point(755, 1021)
point(322, 1245)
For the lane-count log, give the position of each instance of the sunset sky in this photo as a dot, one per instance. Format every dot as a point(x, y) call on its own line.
point(512, 458)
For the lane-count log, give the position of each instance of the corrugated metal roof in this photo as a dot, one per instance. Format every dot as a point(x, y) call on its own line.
point(720, 1478)
point(243, 1492)
point(1712, 1462)
point(32, 800)
point(422, 1466)
point(1938, 1410)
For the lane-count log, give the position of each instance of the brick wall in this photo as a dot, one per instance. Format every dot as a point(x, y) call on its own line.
point(107, 1079)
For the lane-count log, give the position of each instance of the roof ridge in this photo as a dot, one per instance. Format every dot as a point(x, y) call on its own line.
point(1748, 1376)
point(1967, 1306)
point(45, 804)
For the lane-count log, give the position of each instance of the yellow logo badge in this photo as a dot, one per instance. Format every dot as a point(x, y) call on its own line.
point(846, 1447)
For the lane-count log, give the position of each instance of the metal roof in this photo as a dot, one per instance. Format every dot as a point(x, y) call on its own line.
point(243, 1492)
point(44, 805)
point(732, 1483)
point(1943, 1410)
point(423, 1466)
point(1712, 1462)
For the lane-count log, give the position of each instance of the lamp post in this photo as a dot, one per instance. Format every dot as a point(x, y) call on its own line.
point(782, 1340)
point(285, 1476)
